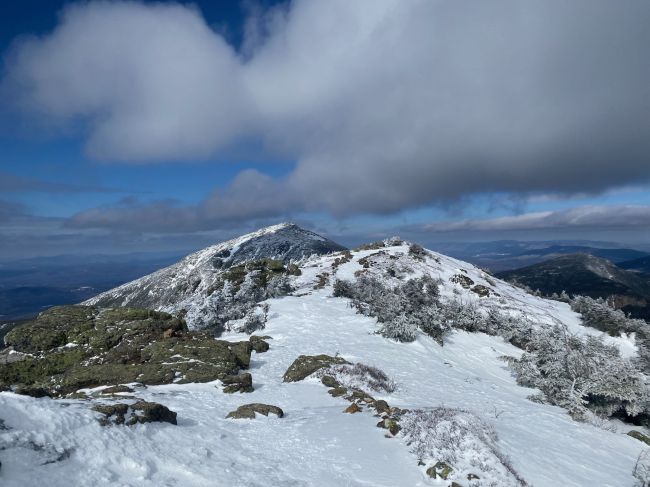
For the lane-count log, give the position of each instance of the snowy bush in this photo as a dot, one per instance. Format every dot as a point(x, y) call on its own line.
point(417, 251)
point(641, 470)
point(278, 286)
point(599, 314)
point(360, 376)
point(402, 328)
point(235, 306)
point(580, 374)
point(400, 310)
point(343, 289)
point(463, 441)
point(416, 304)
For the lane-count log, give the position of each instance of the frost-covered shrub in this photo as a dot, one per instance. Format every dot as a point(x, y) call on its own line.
point(599, 314)
point(580, 374)
point(417, 251)
point(402, 328)
point(235, 305)
point(416, 305)
point(641, 470)
point(400, 310)
point(360, 376)
point(343, 289)
point(431, 321)
point(463, 441)
point(255, 319)
point(278, 286)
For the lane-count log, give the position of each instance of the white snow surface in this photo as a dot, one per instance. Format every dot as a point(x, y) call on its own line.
point(315, 444)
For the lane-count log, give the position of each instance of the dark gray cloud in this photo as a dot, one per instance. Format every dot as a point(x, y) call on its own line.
point(10, 211)
point(385, 105)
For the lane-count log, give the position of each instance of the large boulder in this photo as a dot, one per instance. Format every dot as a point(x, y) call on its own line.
point(74, 347)
point(305, 365)
point(247, 411)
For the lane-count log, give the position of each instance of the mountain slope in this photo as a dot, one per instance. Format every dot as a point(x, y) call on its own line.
point(315, 443)
point(642, 265)
point(188, 286)
point(505, 255)
point(613, 255)
point(581, 274)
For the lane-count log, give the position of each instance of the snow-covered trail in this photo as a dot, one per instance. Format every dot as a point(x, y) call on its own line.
point(545, 444)
point(315, 444)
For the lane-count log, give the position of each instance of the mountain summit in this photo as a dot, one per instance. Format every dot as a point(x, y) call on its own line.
point(188, 288)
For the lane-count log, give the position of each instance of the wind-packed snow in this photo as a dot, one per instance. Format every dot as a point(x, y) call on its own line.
point(316, 444)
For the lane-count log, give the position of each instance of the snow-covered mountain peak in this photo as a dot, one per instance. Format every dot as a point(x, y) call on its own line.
point(188, 287)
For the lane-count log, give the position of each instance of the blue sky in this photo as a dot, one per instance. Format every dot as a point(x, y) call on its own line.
point(134, 126)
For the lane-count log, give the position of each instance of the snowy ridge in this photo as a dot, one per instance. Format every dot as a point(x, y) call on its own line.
point(315, 444)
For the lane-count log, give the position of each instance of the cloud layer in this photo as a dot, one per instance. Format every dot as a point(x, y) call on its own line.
point(385, 105)
point(623, 217)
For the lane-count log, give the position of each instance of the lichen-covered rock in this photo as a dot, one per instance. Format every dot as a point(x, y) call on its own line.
point(359, 395)
point(639, 436)
point(462, 279)
point(381, 406)
point(116, 390)
point(9, 355)
point(150, 412)
point(353, 408)
point(113, 413)
point(439, 470)
point(238, 383)
point(305, 365)
point(138, 412)
point(259, 344)
point(242, 351)
point(330, 381)
point(33, 391)
point(247, 411)
point(481, 290)
point(338, 391)
point(74, 347)
point(390, 424)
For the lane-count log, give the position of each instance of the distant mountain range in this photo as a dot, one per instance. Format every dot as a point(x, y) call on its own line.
point(587, 275)
point(29, 286)
point(506, 255)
